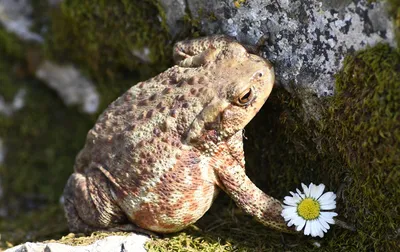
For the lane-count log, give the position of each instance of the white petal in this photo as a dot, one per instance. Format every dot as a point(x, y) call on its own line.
point(287, 218)
point(316, 190)
point(299, 193)
point(317, 228)
point(307, 230)
point(289, 212)
point(286, 206)
point(301, 225)
point(327, 197)
point(297, 220)
point(328, 216)
point(324, 224)
point(306, 189)
point(314, 230)
point(292, 201)
point(297, 197)
point(290, 223)
point(321, 231)
point(328, 206)
point(293, 219)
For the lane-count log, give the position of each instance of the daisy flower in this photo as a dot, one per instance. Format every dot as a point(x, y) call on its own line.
point(305, 209)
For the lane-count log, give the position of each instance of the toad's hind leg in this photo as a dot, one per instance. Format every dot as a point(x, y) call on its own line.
point(88, 203)
point(90, 207)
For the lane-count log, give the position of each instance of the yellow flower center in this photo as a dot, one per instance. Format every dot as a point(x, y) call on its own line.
point(308, 209)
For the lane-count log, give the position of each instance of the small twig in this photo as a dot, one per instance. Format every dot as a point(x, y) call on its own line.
point(344, 225)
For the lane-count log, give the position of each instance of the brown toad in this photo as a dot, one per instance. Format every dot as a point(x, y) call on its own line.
point(158, 155)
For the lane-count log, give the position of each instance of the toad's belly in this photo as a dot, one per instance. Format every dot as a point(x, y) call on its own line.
point(169, 199)
point(170, 209)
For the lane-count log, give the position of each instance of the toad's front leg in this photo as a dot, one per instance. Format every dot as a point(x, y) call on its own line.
point(251, 199)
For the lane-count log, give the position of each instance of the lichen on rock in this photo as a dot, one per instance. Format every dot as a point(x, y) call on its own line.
point(306, 40)
point(71, 86)
point(15, 17)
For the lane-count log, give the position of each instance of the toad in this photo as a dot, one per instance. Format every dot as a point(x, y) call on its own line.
point(158, 156)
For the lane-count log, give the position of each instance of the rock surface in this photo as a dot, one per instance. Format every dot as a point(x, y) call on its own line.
point(8, 108)
point(70, 84)
point(174, 14)
point(134, 243)
point(305, 40)
point(15, 17)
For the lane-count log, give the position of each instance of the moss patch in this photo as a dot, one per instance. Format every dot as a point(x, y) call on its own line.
point(9, 46)
point(83, 240)
point(107, 39)
point(42, 140)
point(394, 11)
point(44, 223)
point(365, 127)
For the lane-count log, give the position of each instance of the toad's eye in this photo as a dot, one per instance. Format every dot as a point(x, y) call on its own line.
point(258, 75)
point(245, 97)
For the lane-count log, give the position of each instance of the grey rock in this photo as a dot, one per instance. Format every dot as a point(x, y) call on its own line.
point(18, 103)
point(174, 12)
point(70, 84)
point(15, 17)
point(307, 40)
point(335, 4)
point(143, 54)
point(133, 242)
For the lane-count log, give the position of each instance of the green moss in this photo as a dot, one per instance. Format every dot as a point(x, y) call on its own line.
point(45, 138)
point(394, 11)
point(45, 223)
point(104, 37)
point(42, 140)
point(365, 124)
point(82, 240)
point(11, 52)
